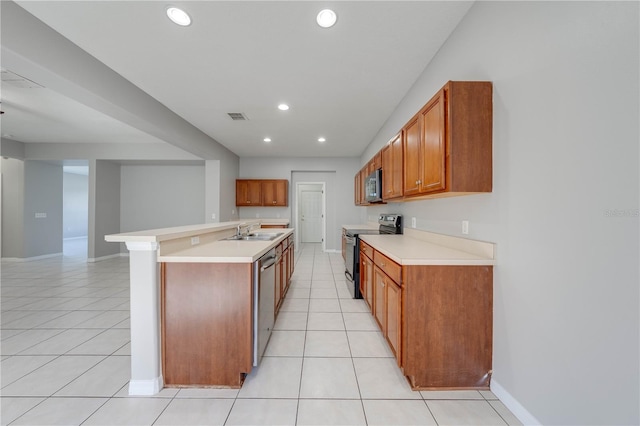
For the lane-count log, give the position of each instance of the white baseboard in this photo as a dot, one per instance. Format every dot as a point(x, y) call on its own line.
point(111, 256)
point(29, 259)
point(513, 405)
point(146, 387)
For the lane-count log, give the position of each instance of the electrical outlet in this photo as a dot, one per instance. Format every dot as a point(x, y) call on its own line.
point(195, 240)
point(41, 215)
point(213, 216)
point(465, 227)
point(258, 215)
point(413, 222)
point(233, 211)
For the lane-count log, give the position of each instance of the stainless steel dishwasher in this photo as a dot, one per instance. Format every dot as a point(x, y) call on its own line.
point(264, 285)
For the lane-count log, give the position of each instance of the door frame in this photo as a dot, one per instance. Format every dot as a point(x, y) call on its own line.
point(297, 213)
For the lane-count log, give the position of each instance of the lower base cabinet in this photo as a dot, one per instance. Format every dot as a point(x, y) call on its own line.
point(437, 320)
point(447, 326)
point(206, 312)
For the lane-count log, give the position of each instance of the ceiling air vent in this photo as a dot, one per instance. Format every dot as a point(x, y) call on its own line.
point(237, 116)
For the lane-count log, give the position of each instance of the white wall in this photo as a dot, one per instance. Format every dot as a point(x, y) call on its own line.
point(75, 205)
point(340, 205)
point(42, 194)
point(564, 209)
point(104, 208)
point(161, 196)
point(12, 208)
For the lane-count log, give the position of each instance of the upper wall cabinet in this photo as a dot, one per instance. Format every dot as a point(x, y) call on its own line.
point(392, 169)
point(261, 192)
point(448, 144)
point(444, 150)
point(274, 193)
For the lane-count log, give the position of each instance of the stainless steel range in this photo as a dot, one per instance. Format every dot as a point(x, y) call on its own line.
point(389, 224)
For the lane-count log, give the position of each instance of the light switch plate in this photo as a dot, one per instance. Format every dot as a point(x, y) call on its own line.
point(413, 222)
point(195, 240)
point(465, 227)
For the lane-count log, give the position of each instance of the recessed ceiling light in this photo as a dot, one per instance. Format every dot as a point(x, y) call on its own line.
point(326, 18)
point(321, 139)
point(283, 107)
point(267, 140)
point(179, 16)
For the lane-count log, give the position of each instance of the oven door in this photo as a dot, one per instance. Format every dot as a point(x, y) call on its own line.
point(349, 263)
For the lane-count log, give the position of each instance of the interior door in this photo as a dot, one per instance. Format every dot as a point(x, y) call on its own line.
point(311, 216)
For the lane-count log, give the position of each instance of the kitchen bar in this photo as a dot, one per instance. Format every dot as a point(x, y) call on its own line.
point(194, 244)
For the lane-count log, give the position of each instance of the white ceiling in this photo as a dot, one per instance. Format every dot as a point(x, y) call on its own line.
point(238, 56)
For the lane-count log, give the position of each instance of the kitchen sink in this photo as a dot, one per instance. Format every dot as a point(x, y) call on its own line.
point(261, 236)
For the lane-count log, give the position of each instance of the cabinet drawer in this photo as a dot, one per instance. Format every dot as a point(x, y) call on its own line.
point(391, 268)
point(366, 249)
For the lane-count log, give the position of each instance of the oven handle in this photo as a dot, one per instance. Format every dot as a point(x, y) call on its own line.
point(348, 275)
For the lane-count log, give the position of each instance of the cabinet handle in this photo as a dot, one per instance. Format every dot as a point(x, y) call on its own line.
point(274, 202)
point(248, 202)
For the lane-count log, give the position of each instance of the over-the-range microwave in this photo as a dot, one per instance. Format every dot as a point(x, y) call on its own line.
point(373, 187)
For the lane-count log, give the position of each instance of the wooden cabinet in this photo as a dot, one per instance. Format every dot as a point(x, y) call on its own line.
point(448, 144)
point(366, 273)
point(392, 167)
point(279, 282)
point(248, 192)
point(446, 147)
point(437, 320)
point(262, 192)
point(388, 301)
point(388, 308)
point(363, 193)
point(274, 193)
point(204, 341)
point(447, 329)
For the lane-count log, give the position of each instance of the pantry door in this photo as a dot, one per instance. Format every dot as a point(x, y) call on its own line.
point(311, 215)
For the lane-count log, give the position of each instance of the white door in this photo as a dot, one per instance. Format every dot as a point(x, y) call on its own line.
point(311, 216)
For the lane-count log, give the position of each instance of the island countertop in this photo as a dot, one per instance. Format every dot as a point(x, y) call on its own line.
point(205, 243)
point(225, 251)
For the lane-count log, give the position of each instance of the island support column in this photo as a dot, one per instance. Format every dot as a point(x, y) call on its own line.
point(146, 367)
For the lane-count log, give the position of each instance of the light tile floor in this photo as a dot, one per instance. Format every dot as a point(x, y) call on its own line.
point(65, 358)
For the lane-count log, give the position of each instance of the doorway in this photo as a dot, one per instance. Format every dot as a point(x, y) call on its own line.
point(311, 212)
point(75, 211)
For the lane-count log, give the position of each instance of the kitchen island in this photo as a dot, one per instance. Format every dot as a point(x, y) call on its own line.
point(179, 277)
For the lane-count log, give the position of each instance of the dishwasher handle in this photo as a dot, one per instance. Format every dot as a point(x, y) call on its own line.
point(267, 263)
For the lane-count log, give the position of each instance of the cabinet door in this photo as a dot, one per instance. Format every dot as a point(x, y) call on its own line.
point(357, 188)
point(363, 276)
point(248, 193)
point(411, 161)
point(363, 179)
point(433, 155)
point(274, 193)
point(392, 168)
point(279, 287)
point(394, 309)
point(380, 298)
point(368, 270)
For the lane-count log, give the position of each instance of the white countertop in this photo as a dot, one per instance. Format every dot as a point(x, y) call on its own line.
point(362, 226)
point(424, 248)
point(223, 251)
point(164, 234)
